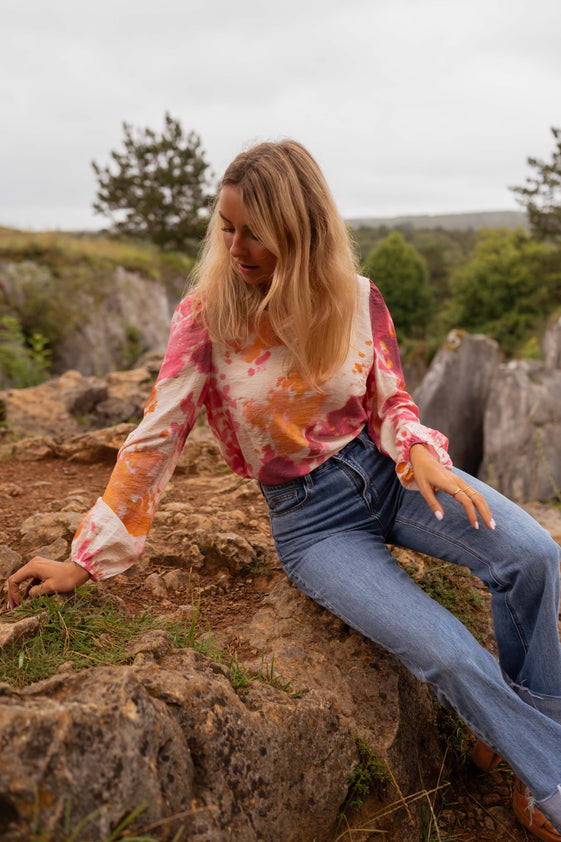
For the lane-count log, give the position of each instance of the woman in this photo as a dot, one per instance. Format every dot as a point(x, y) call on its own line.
point(294, 357)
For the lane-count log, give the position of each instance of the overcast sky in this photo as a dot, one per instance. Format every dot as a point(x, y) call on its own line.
point(410, 106)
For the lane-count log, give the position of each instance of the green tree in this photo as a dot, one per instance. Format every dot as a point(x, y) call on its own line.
point(507, 288)
point(541, 197)
point(159, 187)
point(401, 275)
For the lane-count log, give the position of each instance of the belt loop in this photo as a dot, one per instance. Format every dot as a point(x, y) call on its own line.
point(308, 481)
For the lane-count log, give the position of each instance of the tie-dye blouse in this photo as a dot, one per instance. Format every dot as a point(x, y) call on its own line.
point(270, 425)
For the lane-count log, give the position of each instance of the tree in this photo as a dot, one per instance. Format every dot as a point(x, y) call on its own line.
point(401, 275)
point(507, 289)
point(159, 190)
point(542, 194)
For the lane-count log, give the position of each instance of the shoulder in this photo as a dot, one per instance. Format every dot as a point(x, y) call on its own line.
point(189, 342)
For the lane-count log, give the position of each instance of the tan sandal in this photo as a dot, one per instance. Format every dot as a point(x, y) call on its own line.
point(529, 816)
point(485, 757)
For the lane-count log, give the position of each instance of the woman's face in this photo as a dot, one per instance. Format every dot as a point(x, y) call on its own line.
point(255, 262)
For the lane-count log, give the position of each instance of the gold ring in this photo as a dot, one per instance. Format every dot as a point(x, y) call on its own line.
point(457, 491)
point(471, 492)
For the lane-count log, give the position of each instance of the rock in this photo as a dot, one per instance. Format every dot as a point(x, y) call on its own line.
point(14, 634)
point(551, 345)
point(522, 432)
point(46, 528)
point(175, 736)
point(83, 395)
point(377, 696)
point(155, 583)
point(58, 550)
point(72, 403)
point(453, 395)
point(9, 561)
point(130, 317)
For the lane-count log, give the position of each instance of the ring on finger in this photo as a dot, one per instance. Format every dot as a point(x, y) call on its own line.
point(457, 491)
point(470, 492)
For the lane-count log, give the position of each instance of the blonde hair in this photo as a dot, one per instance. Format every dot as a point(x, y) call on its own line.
point(311, 298)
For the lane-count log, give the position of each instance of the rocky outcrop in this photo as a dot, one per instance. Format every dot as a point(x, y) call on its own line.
point(130, 316)
point(378, 698)
point(453, 394)
point(72, 403)
point(174, 735)
point(522, 432)
point(503, 420)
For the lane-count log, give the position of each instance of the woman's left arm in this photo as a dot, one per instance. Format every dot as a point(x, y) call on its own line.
point(420, 453)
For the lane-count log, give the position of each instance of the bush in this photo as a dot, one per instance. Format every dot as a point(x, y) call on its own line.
point(22, 362)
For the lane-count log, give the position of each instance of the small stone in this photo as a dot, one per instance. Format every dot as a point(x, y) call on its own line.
point(9, 561)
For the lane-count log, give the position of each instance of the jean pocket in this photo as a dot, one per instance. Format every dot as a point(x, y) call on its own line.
point(285, 498)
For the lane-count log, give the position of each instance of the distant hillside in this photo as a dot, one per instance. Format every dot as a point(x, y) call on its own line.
point(448, 221)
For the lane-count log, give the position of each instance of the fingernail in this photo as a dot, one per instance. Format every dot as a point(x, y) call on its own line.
point(476, 525)
point(438, 515)
point(492, 524)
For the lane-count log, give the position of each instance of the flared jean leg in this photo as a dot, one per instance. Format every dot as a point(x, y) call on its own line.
point(331, 528)
point(519, 564)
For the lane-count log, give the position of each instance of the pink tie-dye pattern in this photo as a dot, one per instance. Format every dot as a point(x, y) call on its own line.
point(269, 424)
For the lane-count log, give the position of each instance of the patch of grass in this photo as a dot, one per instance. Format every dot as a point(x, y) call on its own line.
point(100, 252)
point(450, 585)
point(239, 676)
point(453, 735)
point(88, 630)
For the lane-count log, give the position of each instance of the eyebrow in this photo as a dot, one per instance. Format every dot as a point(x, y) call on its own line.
point(225, 219)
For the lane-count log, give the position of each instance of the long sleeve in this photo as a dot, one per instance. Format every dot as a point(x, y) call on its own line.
point(393, 417)
point(111, 537)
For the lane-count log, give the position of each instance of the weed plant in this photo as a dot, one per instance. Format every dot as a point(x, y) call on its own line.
point(370, 774)
point(122, 833)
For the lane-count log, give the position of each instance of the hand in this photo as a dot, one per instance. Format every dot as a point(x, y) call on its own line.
point(431, 476)
point(47, 577)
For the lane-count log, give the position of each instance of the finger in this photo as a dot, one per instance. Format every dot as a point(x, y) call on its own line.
point(428, 493)
point(31, 570)
point(45, 587)
point(473, 502)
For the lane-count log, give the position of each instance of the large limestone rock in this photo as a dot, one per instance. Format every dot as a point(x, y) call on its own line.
point(522, 432)
point(453, 395)
point(255, 765)
point(130, 316)
point(378, 697)
point(551, 345)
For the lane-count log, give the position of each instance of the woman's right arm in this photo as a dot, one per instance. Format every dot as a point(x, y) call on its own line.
point(111, 536)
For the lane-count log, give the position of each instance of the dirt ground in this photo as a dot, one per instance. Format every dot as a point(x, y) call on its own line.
point(476, 806)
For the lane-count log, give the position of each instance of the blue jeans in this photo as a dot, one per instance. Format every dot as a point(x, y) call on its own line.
point(331, 528)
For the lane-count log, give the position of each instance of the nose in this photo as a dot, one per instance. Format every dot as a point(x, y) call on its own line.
point(237, 248)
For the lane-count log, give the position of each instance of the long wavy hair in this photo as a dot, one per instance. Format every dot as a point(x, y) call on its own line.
point(311, 298)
